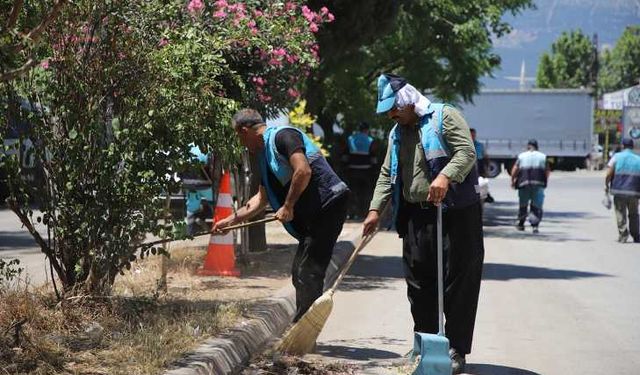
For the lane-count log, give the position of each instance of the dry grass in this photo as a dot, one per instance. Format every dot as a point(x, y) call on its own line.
point(137, 330)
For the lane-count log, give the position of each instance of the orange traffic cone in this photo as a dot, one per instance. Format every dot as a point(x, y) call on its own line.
point(221, 259)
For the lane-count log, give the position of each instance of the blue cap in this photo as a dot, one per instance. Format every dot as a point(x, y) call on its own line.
point(627, 142)
point(388, 86)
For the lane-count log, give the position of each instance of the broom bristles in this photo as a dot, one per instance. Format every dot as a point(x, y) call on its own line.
point(302, 336)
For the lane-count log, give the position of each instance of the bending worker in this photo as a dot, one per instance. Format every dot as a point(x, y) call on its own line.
point(623, 180)
point(430, 161)
point(308, 197)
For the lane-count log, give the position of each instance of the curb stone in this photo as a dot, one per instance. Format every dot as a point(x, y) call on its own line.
point(232, 351)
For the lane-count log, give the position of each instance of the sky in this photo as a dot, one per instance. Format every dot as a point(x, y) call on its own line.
point(534, 30)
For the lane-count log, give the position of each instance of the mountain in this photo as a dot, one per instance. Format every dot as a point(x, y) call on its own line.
point(534, 30)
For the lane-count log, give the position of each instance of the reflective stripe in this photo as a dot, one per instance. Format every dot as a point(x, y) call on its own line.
point(224, 200)
point(226, 239)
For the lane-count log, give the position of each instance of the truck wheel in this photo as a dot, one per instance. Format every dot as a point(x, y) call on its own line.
point(493, 169)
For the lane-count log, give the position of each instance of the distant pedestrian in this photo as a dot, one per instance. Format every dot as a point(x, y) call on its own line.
point(482, 163)
point(529, 175)
point(360, 166)
point(198, 189)
point(623, 181)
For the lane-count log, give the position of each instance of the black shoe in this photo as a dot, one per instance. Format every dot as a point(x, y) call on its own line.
point(520, 227)
point(535, 230)
point(457, 361)
point(489, 199)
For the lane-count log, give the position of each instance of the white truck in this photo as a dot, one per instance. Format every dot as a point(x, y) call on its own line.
point(561, 121)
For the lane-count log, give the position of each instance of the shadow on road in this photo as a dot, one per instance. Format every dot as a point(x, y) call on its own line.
point(12, 240)
point(499, 220)
point(505, 272)
point(372, 272)
point(485, 369)
point(354, 352)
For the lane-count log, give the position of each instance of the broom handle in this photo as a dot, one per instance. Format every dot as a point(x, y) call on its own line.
point(364, 241)
point(237, 226)
point(440, 273)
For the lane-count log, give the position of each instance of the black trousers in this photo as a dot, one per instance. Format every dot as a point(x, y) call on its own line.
point(361, 183)
point(314, 253)
point(464, 254)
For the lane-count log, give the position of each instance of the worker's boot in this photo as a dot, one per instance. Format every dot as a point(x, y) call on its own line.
point(457, 361)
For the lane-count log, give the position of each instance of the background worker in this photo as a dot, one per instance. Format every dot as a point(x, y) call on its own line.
point(623, 181)
point(198, 189)
point(360, 166)
point(482, 162)
point(529, 176)
point(430, 160)
point(308, 197)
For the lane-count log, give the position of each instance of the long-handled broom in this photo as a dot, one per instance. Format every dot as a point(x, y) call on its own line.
point(301, 337)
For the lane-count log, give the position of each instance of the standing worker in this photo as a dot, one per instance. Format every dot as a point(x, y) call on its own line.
point(198, 188)
point(623, 181)
point(482, 162)
point(529, 175)
point(430, 161)
point(308, 197)
point(359, 170)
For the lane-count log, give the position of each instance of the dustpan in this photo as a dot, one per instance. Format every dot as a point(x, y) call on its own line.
point(433, 349)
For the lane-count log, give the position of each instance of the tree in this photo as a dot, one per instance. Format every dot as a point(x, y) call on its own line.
point(571, 63)
point(121, 90)
point(620, 66)
point(440, 45)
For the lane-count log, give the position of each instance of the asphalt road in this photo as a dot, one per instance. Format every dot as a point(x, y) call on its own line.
point(564, 301)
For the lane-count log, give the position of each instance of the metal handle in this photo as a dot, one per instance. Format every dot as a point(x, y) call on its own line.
point(440, 273)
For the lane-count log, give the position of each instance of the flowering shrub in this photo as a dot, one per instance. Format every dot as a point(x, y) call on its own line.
point(120, 90)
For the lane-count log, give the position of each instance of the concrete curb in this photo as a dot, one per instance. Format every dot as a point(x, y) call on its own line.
point(232, 351)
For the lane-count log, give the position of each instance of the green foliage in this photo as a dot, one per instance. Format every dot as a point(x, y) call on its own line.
point(571, 63)
point(620, 67)
point(440, 45)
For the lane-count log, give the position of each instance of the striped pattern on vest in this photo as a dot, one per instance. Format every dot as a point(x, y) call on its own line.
point(626, 175)
point(532, 166)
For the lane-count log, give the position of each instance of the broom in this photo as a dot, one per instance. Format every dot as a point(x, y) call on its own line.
point(301, 337)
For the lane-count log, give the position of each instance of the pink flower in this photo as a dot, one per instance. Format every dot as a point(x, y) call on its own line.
point(195, 6)
point(45, 64)
point(293, 93)
point(279, 52)
point(330, 17)
point(313, 27)
point(292, 59)
point(324, 11)
point(221, 3)
point(275, 62)
point(258, 13)
point(308, 13)
point(220, 14)
point(259, 81)
point(289, 6)
point(163, 42)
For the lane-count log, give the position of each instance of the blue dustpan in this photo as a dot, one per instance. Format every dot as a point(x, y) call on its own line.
point(434, 349)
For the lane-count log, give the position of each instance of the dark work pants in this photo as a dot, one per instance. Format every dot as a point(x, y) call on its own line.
point(361, 184)
point(314, 254)
point(464, 253)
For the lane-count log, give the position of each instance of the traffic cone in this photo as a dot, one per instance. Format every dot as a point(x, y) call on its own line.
point(221, 259)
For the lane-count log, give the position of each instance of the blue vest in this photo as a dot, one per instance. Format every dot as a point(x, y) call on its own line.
point(438, 156)
point(479, 150)
point(329, 184)
point(532, 167)
point(626, 175)
point(359, 147)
